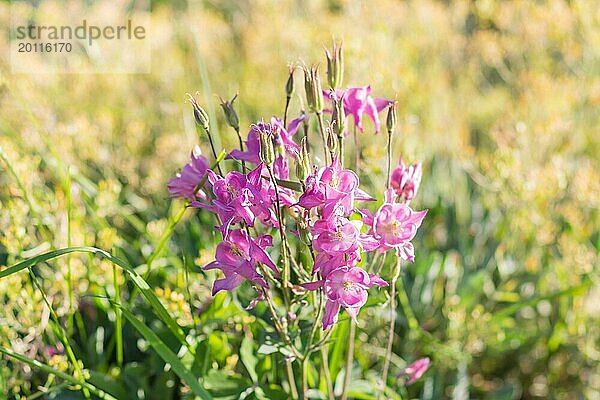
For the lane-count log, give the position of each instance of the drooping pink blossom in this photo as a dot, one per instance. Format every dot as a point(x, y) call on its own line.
point(333, 185)
point(237, 257)
point(394, 225)
point(337, 234)
point(416, 370)
point(358, 101)
point(185, 183)
point(282, 138)
point(345, 287)
point(238, 197)
point(405, 180)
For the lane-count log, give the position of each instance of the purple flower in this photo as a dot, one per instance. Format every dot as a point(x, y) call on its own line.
point(347, 287)
point(336, 234)
point(185, 183)
point(282, 138)
point(239, 197)
point(405, 180)
point(416, 370)
point(237, 257)
point(394, 226)
point(358, 101)
point(332, 186)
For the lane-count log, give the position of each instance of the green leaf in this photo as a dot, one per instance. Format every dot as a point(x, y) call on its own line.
point(135, 277)
point(248, 358)
point(167, 355)
point(64, 376)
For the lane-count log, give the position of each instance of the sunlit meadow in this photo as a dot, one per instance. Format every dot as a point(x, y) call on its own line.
point(499, 101)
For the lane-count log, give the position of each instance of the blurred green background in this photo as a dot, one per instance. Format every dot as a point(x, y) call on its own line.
point(500, 100)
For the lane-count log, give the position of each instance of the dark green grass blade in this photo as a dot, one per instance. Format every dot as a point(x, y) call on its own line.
point(141, 284)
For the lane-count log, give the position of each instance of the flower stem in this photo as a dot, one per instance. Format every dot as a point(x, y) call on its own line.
point(325, 365)
point(356, 150)
point(285, 275)
point(291, 379)
point(349, 359)
point(388, 352)
point(389, 160)
point(241, 148)
point(285, 112)
point(323, 138)
point(341, 145)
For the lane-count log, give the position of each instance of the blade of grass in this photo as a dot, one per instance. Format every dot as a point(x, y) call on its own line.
point(139, 282)
point(167, 355)
point(69, 276)
point(60, 332)
point(118, 323)
point(64, 376)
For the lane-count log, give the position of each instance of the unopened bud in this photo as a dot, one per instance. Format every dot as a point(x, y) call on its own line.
point(303, 162)
point(331, 140)
point(335, 66)
point(230, 114)
point(267, 153)
point(339, 115)
point(289, 86)
point(200, 115)
point(312, 86)
point(392, 118)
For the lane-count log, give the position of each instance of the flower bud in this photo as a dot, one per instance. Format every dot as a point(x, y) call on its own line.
point(339, 115)
point(289, 86)
point(303, 162)
point(335, 66)
point(230, 114)
point(312, 86)
point(267, 153)
point(391, 118)
point(332, 141)
point(199, 114)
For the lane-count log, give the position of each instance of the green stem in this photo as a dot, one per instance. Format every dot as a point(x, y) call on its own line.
point(349, 359)
point(285, 275)
point(69, 275)
point(118, 321)
point(389, 159)
point(392, 316)
point(291, 380)
point(323, 138)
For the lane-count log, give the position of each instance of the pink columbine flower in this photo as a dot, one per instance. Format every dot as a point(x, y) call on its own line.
point(237, 257)
point(185, 183)
point(334, 186)
point(394, 226)
point(337, 234)
point(405, 180)
point(282, 138)
point(238, 197)
point(358, 101)
point(416, 370)
point(347, 287)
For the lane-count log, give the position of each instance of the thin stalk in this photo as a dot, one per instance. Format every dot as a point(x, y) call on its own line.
point(341, 145)
point(304, 378)
point(118, 320)
point(323, 138)
point(392, 316)
point(285, 276)
point(241, 142)
point(62, 337)
point(291, 380)
point(212, 147)
point(349, 359)
point(325, 361)
point(69, 275)
point(356, 149)
point(389, 160)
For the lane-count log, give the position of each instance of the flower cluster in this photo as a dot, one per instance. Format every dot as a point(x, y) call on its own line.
point(254, 203)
